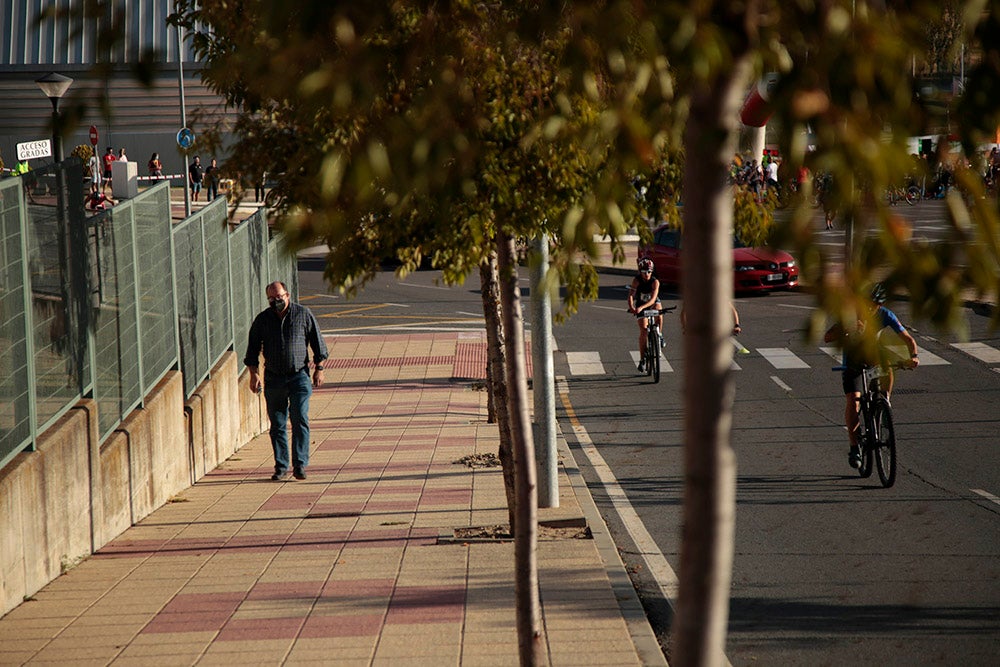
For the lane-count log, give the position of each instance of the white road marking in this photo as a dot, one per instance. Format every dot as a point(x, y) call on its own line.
point(980, 351)
point(585, 363)
point(656, 563)
point(665, 366)
point(781, 357)
point(781, 384)
point(989, 496)
point(926, 358)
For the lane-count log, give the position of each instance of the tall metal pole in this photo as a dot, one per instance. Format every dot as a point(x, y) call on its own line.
point(543, 377)
point(57, 143)
point(180, 83)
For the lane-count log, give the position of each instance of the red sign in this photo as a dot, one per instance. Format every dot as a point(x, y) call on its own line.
point(93, 135)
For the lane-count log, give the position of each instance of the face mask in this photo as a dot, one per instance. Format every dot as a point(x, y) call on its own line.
point(277, 305)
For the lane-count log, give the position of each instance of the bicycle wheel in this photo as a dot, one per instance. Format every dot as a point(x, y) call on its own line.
point(912, 195)
point(885, 443)
point(865, 442)
point(655, 363)
point(652, 350)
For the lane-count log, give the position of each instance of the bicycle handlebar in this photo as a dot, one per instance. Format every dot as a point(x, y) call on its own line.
point(653, 312)
point(904, 365)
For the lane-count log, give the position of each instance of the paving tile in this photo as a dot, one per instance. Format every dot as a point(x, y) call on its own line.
point(345, 567)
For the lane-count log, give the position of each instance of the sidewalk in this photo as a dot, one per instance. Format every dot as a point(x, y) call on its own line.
point(359, 563)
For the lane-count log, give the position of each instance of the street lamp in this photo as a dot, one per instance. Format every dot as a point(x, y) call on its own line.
point(54, 86)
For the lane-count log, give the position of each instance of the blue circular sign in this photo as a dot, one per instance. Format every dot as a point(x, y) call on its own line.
point(185, 138)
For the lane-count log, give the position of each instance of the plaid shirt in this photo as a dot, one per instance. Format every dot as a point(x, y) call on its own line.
point(285, 340)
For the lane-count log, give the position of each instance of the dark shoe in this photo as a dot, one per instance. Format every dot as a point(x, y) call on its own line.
point(854, 458)
point(279, 475)
point(299, 473)
point(642, 366)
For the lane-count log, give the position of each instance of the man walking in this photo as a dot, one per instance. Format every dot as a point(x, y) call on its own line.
point(195, 174)
point(285, 332)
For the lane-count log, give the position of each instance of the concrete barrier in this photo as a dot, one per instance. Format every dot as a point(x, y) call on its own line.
point(73, 494)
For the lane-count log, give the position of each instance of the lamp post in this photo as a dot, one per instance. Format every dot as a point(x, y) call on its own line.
point(54, 86)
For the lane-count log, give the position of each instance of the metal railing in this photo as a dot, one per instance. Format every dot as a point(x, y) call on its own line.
point(103, 306)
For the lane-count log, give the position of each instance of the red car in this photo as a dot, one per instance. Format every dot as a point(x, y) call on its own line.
point(754, 269)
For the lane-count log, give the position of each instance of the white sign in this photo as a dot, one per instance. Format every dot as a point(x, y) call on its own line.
point(30, 150)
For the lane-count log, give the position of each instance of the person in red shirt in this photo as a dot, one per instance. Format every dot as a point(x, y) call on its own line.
point(98, 201)
point(108, 158)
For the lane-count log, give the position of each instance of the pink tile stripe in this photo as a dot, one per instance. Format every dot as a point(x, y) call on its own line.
point(420, 604)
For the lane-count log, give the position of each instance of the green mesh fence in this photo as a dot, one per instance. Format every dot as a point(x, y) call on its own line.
point(157, 317)
point(117, 360)
point(15, 372)
point(107, 304)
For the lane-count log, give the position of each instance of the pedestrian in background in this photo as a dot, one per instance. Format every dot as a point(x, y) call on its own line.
point(258, 187)
point(155, 167)
point(108, 160)
point(195, 176)
point(94, 165)
point(23, 169)
point(285, 332)
point(121, 155)
point(212, 181)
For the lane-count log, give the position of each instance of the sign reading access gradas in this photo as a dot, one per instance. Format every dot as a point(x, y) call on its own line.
point(30, 150)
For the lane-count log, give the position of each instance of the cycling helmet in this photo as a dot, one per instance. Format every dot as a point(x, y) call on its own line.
point(645, 264)
point(878, 294)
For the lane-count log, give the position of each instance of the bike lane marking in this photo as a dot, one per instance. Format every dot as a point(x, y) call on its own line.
point(985, 494)
point(781, 384)
point(656, 563)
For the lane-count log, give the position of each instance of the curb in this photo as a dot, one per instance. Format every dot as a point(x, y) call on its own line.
point(646, 645)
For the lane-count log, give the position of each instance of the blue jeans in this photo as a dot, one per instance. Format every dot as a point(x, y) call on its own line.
point(288, 396)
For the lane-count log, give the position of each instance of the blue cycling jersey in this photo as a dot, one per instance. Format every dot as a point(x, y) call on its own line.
point(887, 320)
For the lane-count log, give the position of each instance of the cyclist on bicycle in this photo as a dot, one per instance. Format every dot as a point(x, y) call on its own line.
point(855, 361)
point(643, 293)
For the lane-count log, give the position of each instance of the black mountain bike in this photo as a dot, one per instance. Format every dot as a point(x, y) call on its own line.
point(652, 358)
point(876, 433)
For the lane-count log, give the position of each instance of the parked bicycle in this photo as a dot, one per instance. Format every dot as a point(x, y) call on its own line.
point(876, 432)
point(897, 193)
point(654, 340)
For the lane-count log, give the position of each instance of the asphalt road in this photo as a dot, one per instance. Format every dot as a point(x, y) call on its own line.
point(829, 568)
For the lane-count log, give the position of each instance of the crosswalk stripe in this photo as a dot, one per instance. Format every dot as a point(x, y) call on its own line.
point(665, 366)
point(782, 357)
point(926, 358)
point(980, 351)
point(585, 363)
point(589, 363)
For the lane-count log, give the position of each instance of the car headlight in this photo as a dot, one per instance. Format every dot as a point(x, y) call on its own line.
point(791, 263)
point(744, 267)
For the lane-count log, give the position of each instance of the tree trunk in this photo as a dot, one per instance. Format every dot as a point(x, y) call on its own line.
point(496, 364)
point(525, 528)
point(699, 632)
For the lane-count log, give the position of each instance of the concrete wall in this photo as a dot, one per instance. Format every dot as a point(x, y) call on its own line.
point(73, 494)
